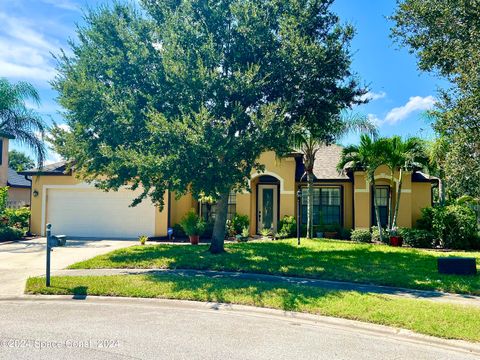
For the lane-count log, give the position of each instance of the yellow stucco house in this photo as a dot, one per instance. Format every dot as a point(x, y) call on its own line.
point(78, 209)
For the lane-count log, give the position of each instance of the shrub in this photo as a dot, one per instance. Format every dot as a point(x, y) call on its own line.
point(143, 239)
point(8, 233)
point(238, 223)
point(192, 224)
point(376, 235)
point(178, 231)
point(361, 235)
point(453, 226)
point(287, 226)
point(417, 238)
point(345, 234)
point(18, 217)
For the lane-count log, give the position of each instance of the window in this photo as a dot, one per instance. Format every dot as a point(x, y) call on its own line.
point(207, 210)
point(326, 205)
point(382, 195)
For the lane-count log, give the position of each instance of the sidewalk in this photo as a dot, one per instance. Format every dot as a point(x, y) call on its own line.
point(438, 296)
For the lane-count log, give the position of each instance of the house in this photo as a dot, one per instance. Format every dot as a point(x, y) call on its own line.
point(78, 209)
point(19, 186)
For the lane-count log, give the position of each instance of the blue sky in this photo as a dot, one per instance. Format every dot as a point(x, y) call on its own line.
point(32, 29)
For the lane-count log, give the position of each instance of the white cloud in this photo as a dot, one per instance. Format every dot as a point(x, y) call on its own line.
point(24, 52)
point(372, 96)
point(63, 4)
point(414, 104)
point(52, 158)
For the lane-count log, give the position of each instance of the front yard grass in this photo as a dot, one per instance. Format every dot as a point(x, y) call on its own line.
point(321, 259)
point(441, 320)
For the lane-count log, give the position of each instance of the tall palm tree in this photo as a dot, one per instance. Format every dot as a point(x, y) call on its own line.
point(309, 142)
point(17, 120)
point(367, 156)
point(400, 156)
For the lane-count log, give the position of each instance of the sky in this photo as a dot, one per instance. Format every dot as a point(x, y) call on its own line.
point(31, 30)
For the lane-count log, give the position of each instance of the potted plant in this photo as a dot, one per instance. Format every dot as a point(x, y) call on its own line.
point(331, 231)
point(193, 226)
point(395, 238)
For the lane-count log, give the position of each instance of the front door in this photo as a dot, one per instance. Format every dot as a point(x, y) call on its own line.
point(267, 207)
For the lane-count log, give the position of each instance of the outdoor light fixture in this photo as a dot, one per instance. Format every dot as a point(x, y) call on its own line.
point(299, 198)
point(35, 193)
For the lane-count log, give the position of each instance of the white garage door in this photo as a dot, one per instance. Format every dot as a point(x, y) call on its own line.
point(95, 213)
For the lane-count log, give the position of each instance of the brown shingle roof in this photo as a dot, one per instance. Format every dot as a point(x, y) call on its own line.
point(325, 167)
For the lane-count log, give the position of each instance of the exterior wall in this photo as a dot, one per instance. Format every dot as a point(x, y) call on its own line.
point(422, 199)
point(415, 196)
point(4, 165)
point(179, 207)
point(18, 194)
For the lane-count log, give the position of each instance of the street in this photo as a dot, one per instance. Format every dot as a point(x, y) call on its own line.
point(112, 328)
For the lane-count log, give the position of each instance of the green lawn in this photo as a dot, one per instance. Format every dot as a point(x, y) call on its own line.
point(442, 320)
point(323, 259)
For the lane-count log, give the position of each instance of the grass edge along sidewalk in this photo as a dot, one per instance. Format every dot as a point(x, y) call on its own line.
point(441, 320)
point(318, 259)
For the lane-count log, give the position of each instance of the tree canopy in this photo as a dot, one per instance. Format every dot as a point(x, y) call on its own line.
point(445, 36)
point(185, 95)
point(19, 161)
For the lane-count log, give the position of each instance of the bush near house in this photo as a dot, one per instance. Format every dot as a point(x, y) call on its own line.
point(417, 238)
point(238, 223)
point(361, 235)
point(452, 226)
point(14, 222)
point(287, 226)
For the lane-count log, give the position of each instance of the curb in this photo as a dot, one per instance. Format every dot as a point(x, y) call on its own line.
point(392, 333)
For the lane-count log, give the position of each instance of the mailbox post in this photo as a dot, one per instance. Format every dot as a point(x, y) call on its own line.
point(49, 249)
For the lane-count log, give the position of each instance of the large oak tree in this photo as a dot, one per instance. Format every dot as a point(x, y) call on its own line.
point(185, 95)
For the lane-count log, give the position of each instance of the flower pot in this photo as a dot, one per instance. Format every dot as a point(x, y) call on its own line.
point(331, 234)
point(194, 239)
point(396, 241)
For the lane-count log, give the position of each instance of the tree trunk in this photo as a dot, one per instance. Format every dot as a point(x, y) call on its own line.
point(310, 205)
point(390, 202)
point(377, 212)
point(218, 236)
point(441, 191)
point(399, 193)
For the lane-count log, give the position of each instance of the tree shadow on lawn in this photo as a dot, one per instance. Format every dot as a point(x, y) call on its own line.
point(371, 264)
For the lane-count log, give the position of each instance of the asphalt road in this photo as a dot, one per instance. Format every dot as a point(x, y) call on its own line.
point(99, 328)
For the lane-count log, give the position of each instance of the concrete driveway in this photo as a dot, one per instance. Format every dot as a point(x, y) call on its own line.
point(20, 260)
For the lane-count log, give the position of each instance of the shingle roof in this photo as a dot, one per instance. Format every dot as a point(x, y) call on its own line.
point(17, 180)
point(325, 167)
point(419, 176)
point(51, 169)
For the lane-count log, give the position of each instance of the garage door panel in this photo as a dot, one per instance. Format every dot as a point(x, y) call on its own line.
point(95, 213)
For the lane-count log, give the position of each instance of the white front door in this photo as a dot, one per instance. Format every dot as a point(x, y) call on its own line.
point(267, 207)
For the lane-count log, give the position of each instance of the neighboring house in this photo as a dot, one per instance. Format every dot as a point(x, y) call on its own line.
point(78, 209)
point(19, 186)
point(18, 190)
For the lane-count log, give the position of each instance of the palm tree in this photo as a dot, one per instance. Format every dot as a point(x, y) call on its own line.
point(400, 155)
point(437, 153)
point(367, 156)
point(309, 142)
point(20, 122)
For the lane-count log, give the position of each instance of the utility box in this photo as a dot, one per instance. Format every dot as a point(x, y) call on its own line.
point(457, 265)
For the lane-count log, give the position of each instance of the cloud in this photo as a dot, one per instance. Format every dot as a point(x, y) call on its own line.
point(52, 158)
point(372, 96)
point(63, 4)
point(414, 104)
point(24, 52)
